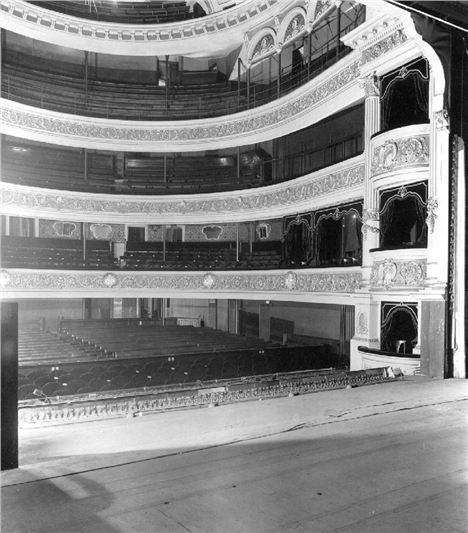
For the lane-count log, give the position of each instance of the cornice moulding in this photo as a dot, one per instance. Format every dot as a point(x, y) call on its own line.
point(331, 91)
point(341, 182)
point(220, 31)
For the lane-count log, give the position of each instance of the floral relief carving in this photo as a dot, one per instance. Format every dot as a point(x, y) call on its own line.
point(394, 154)
point(18, 197)
point(17, 280)
point(264, 45)
point(389, 273)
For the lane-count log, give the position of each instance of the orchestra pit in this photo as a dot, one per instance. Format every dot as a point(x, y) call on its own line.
point(232, 266)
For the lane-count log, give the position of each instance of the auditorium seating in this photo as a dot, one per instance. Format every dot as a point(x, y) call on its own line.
point(63, 168)
point(60, 86)
point(107, 355)
point(180, 256)
point(50, 253)
point(149, 12)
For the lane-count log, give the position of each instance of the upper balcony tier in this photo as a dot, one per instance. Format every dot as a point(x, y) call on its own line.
point(169, 87)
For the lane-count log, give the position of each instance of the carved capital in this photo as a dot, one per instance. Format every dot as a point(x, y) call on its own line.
point(442, 120)
point(371, 85)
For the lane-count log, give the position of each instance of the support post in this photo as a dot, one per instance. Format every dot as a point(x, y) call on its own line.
point(85, 172)
point(167, 82)
point(83, 237)
point(247, 77)
point(86, 61)
point(9, 381)
point(278, 85)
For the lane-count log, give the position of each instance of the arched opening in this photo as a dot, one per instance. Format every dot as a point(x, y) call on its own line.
point(405, 96)
point(403, 217)
point(399, 330)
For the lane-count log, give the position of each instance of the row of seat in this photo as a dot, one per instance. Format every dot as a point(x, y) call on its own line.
point(40, 381)
point(35, 164)
point(127, 100)
point(27, 252)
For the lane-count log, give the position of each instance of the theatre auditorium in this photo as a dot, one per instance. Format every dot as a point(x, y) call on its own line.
point(232, 243)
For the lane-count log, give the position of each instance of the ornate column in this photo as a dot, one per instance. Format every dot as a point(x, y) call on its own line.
point(370, 228)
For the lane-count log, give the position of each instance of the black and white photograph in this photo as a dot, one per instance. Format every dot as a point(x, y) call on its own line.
point(233, 266)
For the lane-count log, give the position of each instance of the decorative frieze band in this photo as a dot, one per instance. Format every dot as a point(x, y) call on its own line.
point(18, 280)
point(262, 123)
point(389, 273)
point(253, 204)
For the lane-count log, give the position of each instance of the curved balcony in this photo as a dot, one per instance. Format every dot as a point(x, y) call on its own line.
point(373, 358)
point(339, 183)
point(224, 30)
point(327, 286)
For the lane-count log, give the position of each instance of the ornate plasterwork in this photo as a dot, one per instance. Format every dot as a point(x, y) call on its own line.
point(295, 26)
point(384, 46)
point(370, 84)
point(265, 44)
point(258, 203)
point(101, 231)
point(442, 120)
point(132, 39)
point(390, 273)
point(49, 126)
point(400, 153)
point(322, 6)
point(18, 280)
point(362, 325)
point(432, 207)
